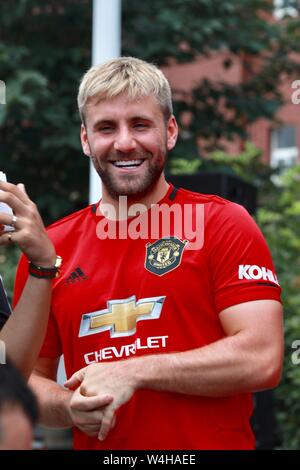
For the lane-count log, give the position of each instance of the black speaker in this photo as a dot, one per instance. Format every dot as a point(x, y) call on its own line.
point(263, 420)
point(222, 184)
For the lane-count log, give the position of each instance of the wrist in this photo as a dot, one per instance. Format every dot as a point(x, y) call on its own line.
point(140, 372)
point(48, 259)
point(50, 271)
point(154, 371)
point(66, 405)
point(45, 263)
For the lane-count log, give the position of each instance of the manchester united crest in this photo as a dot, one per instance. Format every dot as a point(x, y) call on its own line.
point(164, 255)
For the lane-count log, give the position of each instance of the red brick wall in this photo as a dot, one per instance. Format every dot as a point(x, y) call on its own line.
point(185, 76)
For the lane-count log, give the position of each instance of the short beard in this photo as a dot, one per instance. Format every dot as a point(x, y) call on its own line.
point(132, 192)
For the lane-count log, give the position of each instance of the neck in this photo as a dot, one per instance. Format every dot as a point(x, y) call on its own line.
point(157, 193)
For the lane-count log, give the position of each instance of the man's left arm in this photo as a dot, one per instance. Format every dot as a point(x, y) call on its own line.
point(247, 359)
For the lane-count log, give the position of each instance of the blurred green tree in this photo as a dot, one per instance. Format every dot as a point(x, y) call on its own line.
point(278, 215)
point(45, 47)
point(280, 223)
point(182, 30)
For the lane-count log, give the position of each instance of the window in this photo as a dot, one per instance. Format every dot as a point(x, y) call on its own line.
point(284, 151)
point(284, 8)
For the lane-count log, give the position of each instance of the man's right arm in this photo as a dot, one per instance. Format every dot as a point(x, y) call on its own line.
point(61, 408)
point(54, 400)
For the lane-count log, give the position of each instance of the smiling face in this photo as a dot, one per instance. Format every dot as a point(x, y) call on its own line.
point(128, 142)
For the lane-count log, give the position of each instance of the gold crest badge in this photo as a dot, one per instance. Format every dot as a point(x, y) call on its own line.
point(164, 255)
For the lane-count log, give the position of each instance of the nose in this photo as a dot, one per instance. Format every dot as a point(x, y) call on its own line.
point(124, 141)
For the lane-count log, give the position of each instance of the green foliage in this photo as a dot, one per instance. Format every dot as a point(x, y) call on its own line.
point(182, 166)
point(8, 263)
point(44, 50)
point(182, 30)
point(280, 223)
point(247, 165)
point(185, 28)
point(278, 216)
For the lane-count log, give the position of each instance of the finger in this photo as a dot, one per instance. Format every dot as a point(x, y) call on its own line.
point(90, 427)
point(17, 190)
point(6, 238)
point(13, 201)
point(8, 219)
point(107, 423)
point(91, 403)
point(75, 380)
point(89, 418)
point(25, 240)
point(114, 422)
point(22, 188)
point(91, 431)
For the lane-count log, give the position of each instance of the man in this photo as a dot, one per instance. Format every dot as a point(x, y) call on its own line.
point(24, 330)
point(18, 410)
point(182, 380)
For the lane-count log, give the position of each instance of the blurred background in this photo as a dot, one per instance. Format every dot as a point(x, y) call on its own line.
point(234, 67)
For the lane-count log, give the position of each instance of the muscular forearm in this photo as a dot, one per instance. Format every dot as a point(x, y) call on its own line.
point(24, 331)
point(226, 367)
point(53, 402)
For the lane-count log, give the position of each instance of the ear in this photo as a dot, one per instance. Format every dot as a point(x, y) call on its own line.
point(84, 141)
point(172, 132)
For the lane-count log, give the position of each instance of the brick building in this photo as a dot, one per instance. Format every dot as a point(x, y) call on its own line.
point(280, 144)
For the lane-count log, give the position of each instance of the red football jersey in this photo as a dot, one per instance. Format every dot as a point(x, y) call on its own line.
point(122, 297)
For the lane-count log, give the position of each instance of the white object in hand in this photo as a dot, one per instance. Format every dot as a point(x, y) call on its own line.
point(4, 208)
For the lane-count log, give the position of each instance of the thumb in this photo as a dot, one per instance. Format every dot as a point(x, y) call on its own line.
point(75, 380)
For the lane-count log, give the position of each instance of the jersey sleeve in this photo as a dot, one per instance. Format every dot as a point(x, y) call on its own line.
point(240, 262)
point(52, 344)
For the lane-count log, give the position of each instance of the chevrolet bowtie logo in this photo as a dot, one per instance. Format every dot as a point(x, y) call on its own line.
point(121, 316)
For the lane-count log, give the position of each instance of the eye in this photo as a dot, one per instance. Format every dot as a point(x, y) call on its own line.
point(106, 129)
point(140, 125)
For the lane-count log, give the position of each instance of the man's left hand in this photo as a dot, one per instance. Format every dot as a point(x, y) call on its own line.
point(29, 231)
point(118, 379)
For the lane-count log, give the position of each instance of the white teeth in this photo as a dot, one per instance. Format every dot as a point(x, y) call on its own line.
point(128, 163)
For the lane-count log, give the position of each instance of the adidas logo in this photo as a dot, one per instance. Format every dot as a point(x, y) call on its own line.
point(76, 276)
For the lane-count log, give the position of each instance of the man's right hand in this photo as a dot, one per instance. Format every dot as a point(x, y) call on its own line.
point(87, 412)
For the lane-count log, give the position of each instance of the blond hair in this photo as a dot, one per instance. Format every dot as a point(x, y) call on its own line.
point(129, 75)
